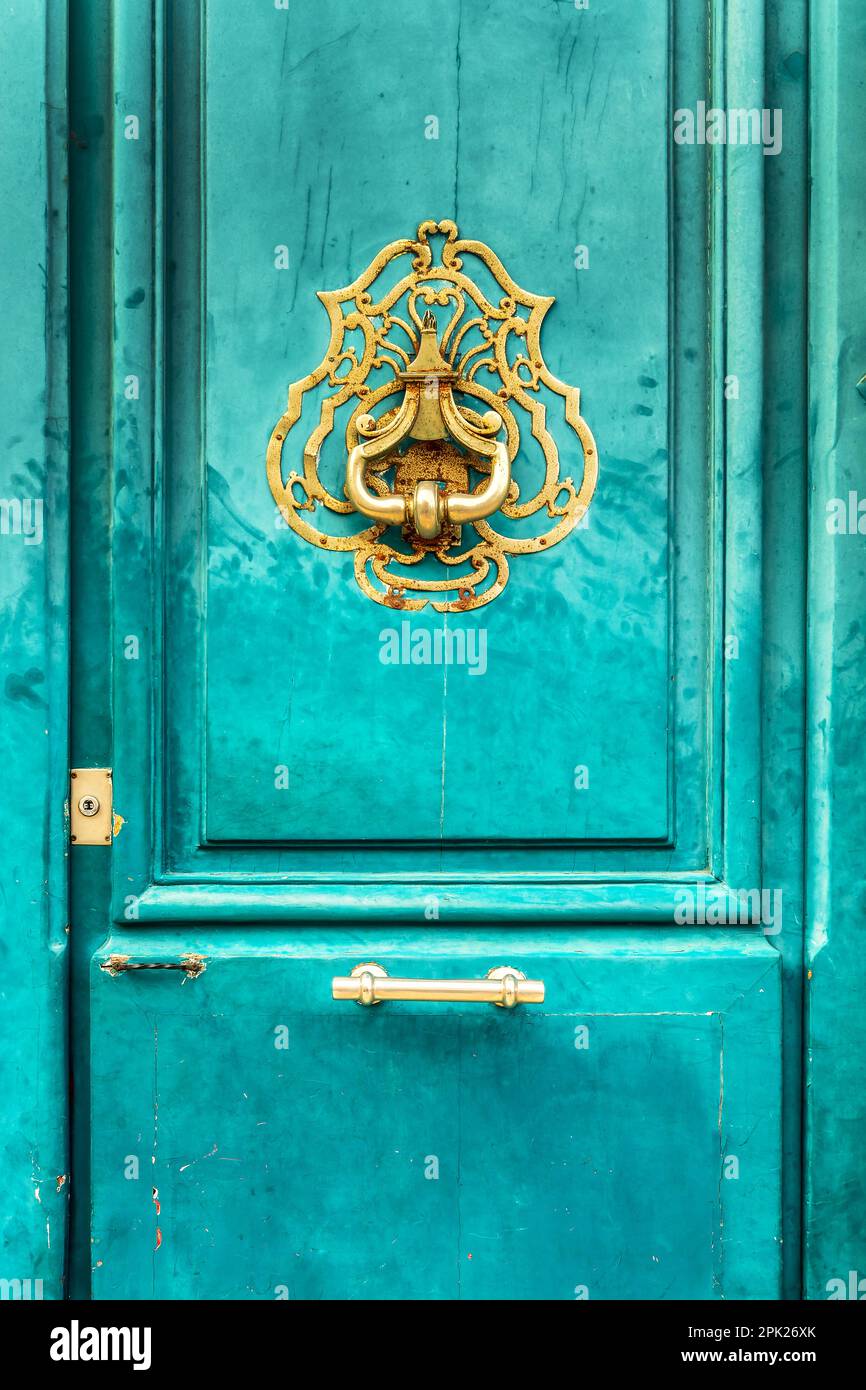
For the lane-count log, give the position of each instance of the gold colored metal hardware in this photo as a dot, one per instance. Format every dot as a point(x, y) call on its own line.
point(192, 965)
point(90, 806)
point(433, 441)
point(504, 986)
point(430, 412)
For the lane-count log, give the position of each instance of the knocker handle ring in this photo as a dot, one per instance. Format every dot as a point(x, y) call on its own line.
point(428, 509)
point(429, 412)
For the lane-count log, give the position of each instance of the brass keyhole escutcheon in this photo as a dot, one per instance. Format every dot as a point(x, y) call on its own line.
point(90, 806)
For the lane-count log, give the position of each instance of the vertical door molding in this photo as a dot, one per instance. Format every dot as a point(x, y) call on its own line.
point(738, 329)
point(835, 1218)
point(138, 62)
point(785, 504)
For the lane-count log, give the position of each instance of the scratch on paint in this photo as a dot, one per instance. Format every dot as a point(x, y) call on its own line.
point(155, 1190)
point(35, 1177)
point(155, 1196)
point(636, 1013)
point(719, 1249)
point(194, 1161)
point(118, 825)
point(721, 1071)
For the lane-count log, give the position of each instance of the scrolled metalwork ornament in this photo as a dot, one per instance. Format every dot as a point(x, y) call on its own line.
point(431, 464)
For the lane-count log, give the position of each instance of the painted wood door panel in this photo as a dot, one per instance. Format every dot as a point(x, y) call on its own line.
point(598, 739)
point(294, 649)
point(254, 1138)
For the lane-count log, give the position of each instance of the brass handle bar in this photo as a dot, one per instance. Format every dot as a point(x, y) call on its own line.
point(504, 986)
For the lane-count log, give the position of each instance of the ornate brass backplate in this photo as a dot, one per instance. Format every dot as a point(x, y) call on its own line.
point(432, 441)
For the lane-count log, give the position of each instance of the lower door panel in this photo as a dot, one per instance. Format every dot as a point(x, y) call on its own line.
point(254, 1138)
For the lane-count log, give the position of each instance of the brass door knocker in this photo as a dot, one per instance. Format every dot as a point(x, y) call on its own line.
point(433, 442)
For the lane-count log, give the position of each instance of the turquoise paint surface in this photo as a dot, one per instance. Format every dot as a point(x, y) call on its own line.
point(34, 410)
point(355, 186)
point(598, 690)
point(271, 1168)
point(90, 216)
point(785, 445)
point(410, 800)
point(253, 1138)
point(835, 1206)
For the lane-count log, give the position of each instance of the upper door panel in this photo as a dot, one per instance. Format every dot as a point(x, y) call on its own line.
point(298, 727)
point(318, 139)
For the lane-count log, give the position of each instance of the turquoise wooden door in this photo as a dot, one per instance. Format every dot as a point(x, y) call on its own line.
point(303, 786)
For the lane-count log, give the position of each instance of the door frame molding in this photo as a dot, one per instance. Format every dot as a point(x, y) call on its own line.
point(34, 620)
point(835, 1104)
